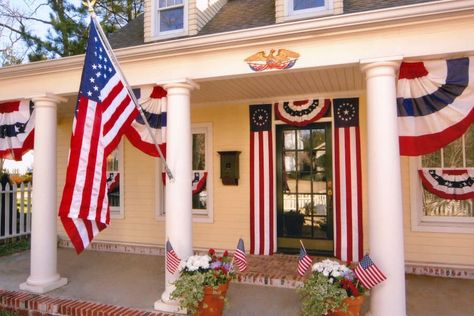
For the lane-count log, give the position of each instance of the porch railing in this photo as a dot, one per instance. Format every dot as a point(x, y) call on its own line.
point(15, 210)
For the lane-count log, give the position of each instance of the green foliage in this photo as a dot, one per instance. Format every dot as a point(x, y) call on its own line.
point(5, 313)
point(190, 290)
point(319, 295)
point(9, 248)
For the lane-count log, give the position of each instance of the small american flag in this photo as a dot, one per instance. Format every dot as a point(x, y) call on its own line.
point(240, 259)
point(304, 262)
point(172, 259)
point(104, 110)
point(368, 273)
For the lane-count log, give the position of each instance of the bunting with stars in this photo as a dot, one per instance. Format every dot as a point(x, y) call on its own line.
point(451, 184)
point(347, 181)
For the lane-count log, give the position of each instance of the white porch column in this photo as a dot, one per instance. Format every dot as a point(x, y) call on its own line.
point(43, 262)
point(179, 191)
point(384, 188)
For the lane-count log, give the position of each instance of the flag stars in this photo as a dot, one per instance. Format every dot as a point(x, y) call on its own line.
point(96, 88)
point(92, 80)
point(89, 93)
point(94, 66)
point(98, 74)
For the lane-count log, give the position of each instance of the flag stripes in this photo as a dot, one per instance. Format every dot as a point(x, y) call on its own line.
point(347, 182)
point(103, 111)
point(240, 259)
point(368, 273)
point(172, 259)
point(262, 232)
point(304, 262)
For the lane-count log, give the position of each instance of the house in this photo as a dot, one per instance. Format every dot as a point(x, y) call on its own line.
point(222, 61)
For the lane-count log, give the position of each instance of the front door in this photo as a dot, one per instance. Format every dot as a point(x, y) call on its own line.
point(304, 188)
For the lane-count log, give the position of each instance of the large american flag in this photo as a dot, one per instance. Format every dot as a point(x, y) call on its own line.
point(240, 259)
point(347, 181)
point(368, 273)
point(104, 110)
point(262, 231)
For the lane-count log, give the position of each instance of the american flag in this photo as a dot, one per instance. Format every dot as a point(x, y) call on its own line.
point(240, 259)
point(172, 259)
point(262, 231)
point(368, 273)
point(104, 110)
point(347, 181)
point(17, 123)
point(304, 262)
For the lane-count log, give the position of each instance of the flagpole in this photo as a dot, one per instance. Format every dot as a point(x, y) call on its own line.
point(114, 60)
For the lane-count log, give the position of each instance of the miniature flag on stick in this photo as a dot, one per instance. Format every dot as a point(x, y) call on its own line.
point(172, 259)
point(368, 273)
point(304, 261)
point(240, 258)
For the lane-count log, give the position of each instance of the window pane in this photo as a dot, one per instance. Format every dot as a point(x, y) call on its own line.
point(320, 204)
point(162, 3)
point(199, 151)
point(171, 19)
point(304, 204)
point(113, 188)
point(307, 4)
point(469, 143)
point(436, 206)
point(200, 200)
point(432, 160)
point(304, 172)
point(319, 139)
point(289, 174)
point(289, 202)
point(303, 139)
point(289, 139)
point(452, 154)
point(112, 161)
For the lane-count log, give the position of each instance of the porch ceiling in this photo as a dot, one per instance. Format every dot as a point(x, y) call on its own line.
point(275, 84)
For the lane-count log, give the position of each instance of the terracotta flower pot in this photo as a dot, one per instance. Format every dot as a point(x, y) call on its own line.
point(354, 306)
point(213, 302)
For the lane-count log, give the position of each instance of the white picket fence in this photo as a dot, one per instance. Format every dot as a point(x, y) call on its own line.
point(15, 210)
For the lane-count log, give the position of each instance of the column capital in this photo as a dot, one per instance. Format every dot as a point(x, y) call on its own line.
point(47, 100)
point(185, 83)
point(385, 66)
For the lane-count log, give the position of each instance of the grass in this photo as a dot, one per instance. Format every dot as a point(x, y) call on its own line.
point(12, 247)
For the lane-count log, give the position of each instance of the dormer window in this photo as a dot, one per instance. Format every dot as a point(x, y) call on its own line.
point(171, 18)
point(308, 8)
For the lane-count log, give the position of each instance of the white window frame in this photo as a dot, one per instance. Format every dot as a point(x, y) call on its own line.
point(201, 216)
point(438, 224)
point(156, 21)
point(291, 14)
point(117, 212)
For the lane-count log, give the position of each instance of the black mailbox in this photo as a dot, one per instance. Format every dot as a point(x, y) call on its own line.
point(229, 167)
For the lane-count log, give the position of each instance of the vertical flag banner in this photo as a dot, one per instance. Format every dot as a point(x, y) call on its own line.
point(304, 262)
point(104, 110)
point(347, 181)
point(172, 259)
point(262, 232)
point(435, 103)
point(154, 108)
point(17, 123)
point(368, 273)
point(240, 259)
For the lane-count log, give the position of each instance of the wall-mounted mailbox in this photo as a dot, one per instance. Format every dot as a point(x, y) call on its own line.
point(229, 167)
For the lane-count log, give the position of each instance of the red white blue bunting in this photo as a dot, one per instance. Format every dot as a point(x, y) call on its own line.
point(154, 108)
point(454, 184)
point(301, 113)
point(17, 121)
point(435, 101)
point(199, 181)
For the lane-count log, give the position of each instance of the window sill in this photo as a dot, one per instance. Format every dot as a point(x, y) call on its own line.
point(169, 35)
point(196, 218)
point(307, 15)
point(442, 225)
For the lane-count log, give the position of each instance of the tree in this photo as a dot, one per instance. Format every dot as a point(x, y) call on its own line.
point(67, 26)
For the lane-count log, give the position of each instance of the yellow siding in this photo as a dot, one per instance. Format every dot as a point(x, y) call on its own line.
point(437, 248)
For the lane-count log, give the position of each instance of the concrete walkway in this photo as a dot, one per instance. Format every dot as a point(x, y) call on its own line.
point(137, 281)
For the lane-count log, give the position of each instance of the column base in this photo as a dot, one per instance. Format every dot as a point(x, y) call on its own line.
point(169, 307)
point(44, 287)
point(370, 314)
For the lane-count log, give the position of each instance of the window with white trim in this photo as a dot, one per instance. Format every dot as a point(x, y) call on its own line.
point(202, 199)
point(308, 8)
point(114, 173)
point(171, 18)
point(431, 212)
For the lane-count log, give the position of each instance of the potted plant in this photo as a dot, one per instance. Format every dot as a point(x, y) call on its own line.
point(332, 289)
point(203, 283)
